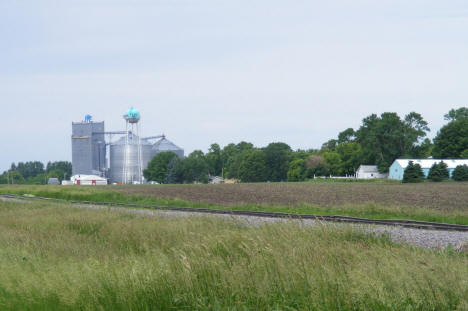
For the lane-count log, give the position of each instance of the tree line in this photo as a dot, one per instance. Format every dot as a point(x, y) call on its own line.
point(378, 141)
point(35, 173)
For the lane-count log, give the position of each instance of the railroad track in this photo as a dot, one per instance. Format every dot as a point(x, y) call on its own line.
point(331, 218)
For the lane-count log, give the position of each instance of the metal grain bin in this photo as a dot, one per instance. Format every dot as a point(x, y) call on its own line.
point(117, 158)
point(164, 145)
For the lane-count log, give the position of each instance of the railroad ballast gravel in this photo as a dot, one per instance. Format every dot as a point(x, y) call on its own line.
point(418, 237)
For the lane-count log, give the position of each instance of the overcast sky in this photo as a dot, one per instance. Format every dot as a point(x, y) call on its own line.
point(224, 71)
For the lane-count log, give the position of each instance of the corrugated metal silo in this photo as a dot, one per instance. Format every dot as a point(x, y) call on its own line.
point(117, 158)
point(164, 145)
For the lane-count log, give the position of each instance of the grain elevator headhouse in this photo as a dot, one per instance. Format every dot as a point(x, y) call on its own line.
point(88, 147)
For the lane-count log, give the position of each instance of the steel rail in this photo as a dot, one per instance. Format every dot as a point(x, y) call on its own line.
point(415, 224)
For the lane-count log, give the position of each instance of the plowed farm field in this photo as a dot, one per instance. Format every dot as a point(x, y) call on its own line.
point(445, 196)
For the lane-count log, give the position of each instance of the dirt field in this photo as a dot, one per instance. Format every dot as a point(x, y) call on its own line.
point(447, 196)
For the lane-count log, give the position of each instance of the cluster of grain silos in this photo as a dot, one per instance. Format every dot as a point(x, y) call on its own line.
point(125, 156)
point(128, 155)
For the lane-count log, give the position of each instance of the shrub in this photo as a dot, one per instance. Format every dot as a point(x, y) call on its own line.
point(460, 173)
point(438, 172)
point(413, 173)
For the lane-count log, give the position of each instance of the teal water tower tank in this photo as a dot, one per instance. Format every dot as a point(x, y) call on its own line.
point(132, 115)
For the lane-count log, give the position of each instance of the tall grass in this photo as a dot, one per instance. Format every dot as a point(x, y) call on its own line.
point(55, 257)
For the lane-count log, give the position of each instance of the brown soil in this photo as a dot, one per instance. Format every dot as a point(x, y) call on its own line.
point(447, 195)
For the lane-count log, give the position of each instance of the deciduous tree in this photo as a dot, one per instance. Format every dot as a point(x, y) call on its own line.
point(158, 167)
point(296, 170)
point(195, 168)
point(65, 166)
point(277, 161)
point(253, 166)
point(351, 155)
point(29, 169)
point(316, 166)
point(231, 156)
point(452, 139)
point(386, 138)
point(214, 159)
point(334, 162)
point(346, 136)
point(455, 114)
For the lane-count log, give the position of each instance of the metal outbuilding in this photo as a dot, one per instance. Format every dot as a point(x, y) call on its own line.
point(398, 167)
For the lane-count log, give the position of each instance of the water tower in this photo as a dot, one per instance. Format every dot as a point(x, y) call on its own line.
point(132, 141)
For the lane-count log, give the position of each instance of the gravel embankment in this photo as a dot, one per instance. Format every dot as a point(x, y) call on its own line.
point(6, 199)
point(419, 237)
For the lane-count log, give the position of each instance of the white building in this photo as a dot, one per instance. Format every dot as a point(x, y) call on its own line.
point(88, 180)
point(216, 180)
point(369, 172)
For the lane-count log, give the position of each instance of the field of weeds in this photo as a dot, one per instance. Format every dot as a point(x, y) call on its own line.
point(56, 257)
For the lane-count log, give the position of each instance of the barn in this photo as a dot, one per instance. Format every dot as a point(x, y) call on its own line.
point(399, 165)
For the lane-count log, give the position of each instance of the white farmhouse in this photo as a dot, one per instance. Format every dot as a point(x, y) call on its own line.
point(369, 172)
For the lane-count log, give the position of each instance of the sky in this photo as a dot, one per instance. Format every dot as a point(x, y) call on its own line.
point(295, 71)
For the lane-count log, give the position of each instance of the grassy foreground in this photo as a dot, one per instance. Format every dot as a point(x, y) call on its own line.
point(451, 209)
point(55, 257)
